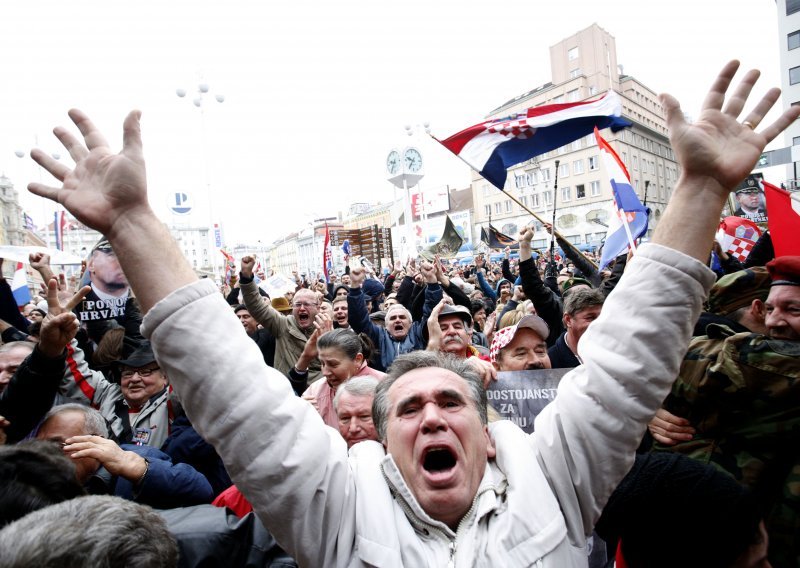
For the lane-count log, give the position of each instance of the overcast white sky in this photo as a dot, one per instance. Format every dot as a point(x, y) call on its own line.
point(318, 92)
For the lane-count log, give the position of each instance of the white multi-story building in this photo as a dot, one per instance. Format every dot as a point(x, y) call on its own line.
point(194, 243)
point(583, 66)
point(12, 229)
point(789, 44)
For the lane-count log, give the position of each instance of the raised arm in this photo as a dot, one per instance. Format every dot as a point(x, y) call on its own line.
point(604, 405)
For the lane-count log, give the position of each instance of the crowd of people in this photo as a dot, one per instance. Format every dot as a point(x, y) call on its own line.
point(346, 423)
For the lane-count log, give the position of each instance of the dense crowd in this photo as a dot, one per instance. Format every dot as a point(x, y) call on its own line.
point(151, 418)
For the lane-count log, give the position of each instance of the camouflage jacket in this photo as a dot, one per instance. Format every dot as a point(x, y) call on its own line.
point(741, 392)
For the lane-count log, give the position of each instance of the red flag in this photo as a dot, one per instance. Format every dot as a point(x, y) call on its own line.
point(327, 255)
point(783, 209)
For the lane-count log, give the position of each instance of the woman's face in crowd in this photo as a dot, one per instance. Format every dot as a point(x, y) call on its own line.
point(337, 367)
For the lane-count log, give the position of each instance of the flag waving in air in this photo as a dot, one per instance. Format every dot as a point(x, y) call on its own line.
point(327, 255)
point(492, 147)
point(19, 286)
point(784, 219)
point(629, 217)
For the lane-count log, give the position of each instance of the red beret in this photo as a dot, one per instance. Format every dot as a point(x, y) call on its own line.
point(785, 271)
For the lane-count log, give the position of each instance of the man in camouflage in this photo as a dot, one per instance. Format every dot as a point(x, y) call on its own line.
point(741, 393)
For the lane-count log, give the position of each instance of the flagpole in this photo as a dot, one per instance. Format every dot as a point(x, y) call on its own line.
point(553, 224)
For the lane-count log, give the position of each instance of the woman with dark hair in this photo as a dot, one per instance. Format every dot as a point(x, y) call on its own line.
point(342, 354)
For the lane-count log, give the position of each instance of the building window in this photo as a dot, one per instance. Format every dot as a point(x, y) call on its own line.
point(548, 197)
point(625, 158)
point(792, 6)
point(524, 201)
point(577, 166)
point(652, 168)
point(635, 162)
point(795, 140)
point(539, 243)
point(572, 54)
point(564, 171)
point(558, 99)
point(594, 188)
point(580, 191)
point(572, 96)
point(593, 163)
point(486, 189)
point(576, 145)
point(498, 208)
point(546, 174)
point(535, 200)
point(487, 210)
point(508, 206)
point(794, 75)
point(592, 90)
point(566, 194)
point(575, 73)
point(574, 239)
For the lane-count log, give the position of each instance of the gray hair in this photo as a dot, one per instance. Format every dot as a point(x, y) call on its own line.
point(10, 346)
point(357, 386)
point(422, 359)
point(398, 306)
point(97, 530)
point(94, 424)
point(582, 298)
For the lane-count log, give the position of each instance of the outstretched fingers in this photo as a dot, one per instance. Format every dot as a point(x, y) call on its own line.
point(91, 134)
point(132, 133)
point(739, 97)
point(46, 191)
point(75, 147)
point(716, 94)
point(56, 168)
point(782, 123)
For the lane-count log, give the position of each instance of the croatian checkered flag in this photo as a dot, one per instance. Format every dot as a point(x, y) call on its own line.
point(737, 236)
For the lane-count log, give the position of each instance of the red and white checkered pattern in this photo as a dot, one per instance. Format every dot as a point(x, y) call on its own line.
point(512, 129)
point(740, 248)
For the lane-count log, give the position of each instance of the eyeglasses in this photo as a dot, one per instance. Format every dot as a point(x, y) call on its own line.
point(143, 373)
point(305, 305)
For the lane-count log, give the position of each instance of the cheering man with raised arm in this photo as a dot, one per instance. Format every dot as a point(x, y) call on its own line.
point(442, 487)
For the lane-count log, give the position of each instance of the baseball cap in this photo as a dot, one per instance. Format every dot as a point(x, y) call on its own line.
point(506, 335)
point(460, 311)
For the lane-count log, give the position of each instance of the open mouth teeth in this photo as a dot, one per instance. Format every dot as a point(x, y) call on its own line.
point(439, 459)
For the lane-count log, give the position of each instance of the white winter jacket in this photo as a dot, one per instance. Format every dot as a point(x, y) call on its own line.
point(539, 497)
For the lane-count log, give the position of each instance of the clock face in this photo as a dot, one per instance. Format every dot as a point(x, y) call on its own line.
point(413, 160)
point(393, 162)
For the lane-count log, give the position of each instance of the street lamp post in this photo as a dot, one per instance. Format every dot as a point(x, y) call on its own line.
point(198, 100)
point(405, 168)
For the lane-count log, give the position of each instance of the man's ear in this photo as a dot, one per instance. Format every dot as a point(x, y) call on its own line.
point(567, 321)
point(758, 310)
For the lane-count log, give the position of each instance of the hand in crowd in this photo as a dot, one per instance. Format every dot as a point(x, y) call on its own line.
point(480, 262)
point(519, 295)
point(64, 294)
point(117, 461)
point(668, 429)
point(441, 277)
point(105, 191)
point(357, 277)
point(60, 325)
point(485, 369)
point(428, 272)
point(434, 329)
point(3, 425)
point(716, 147)
point(248, 264)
